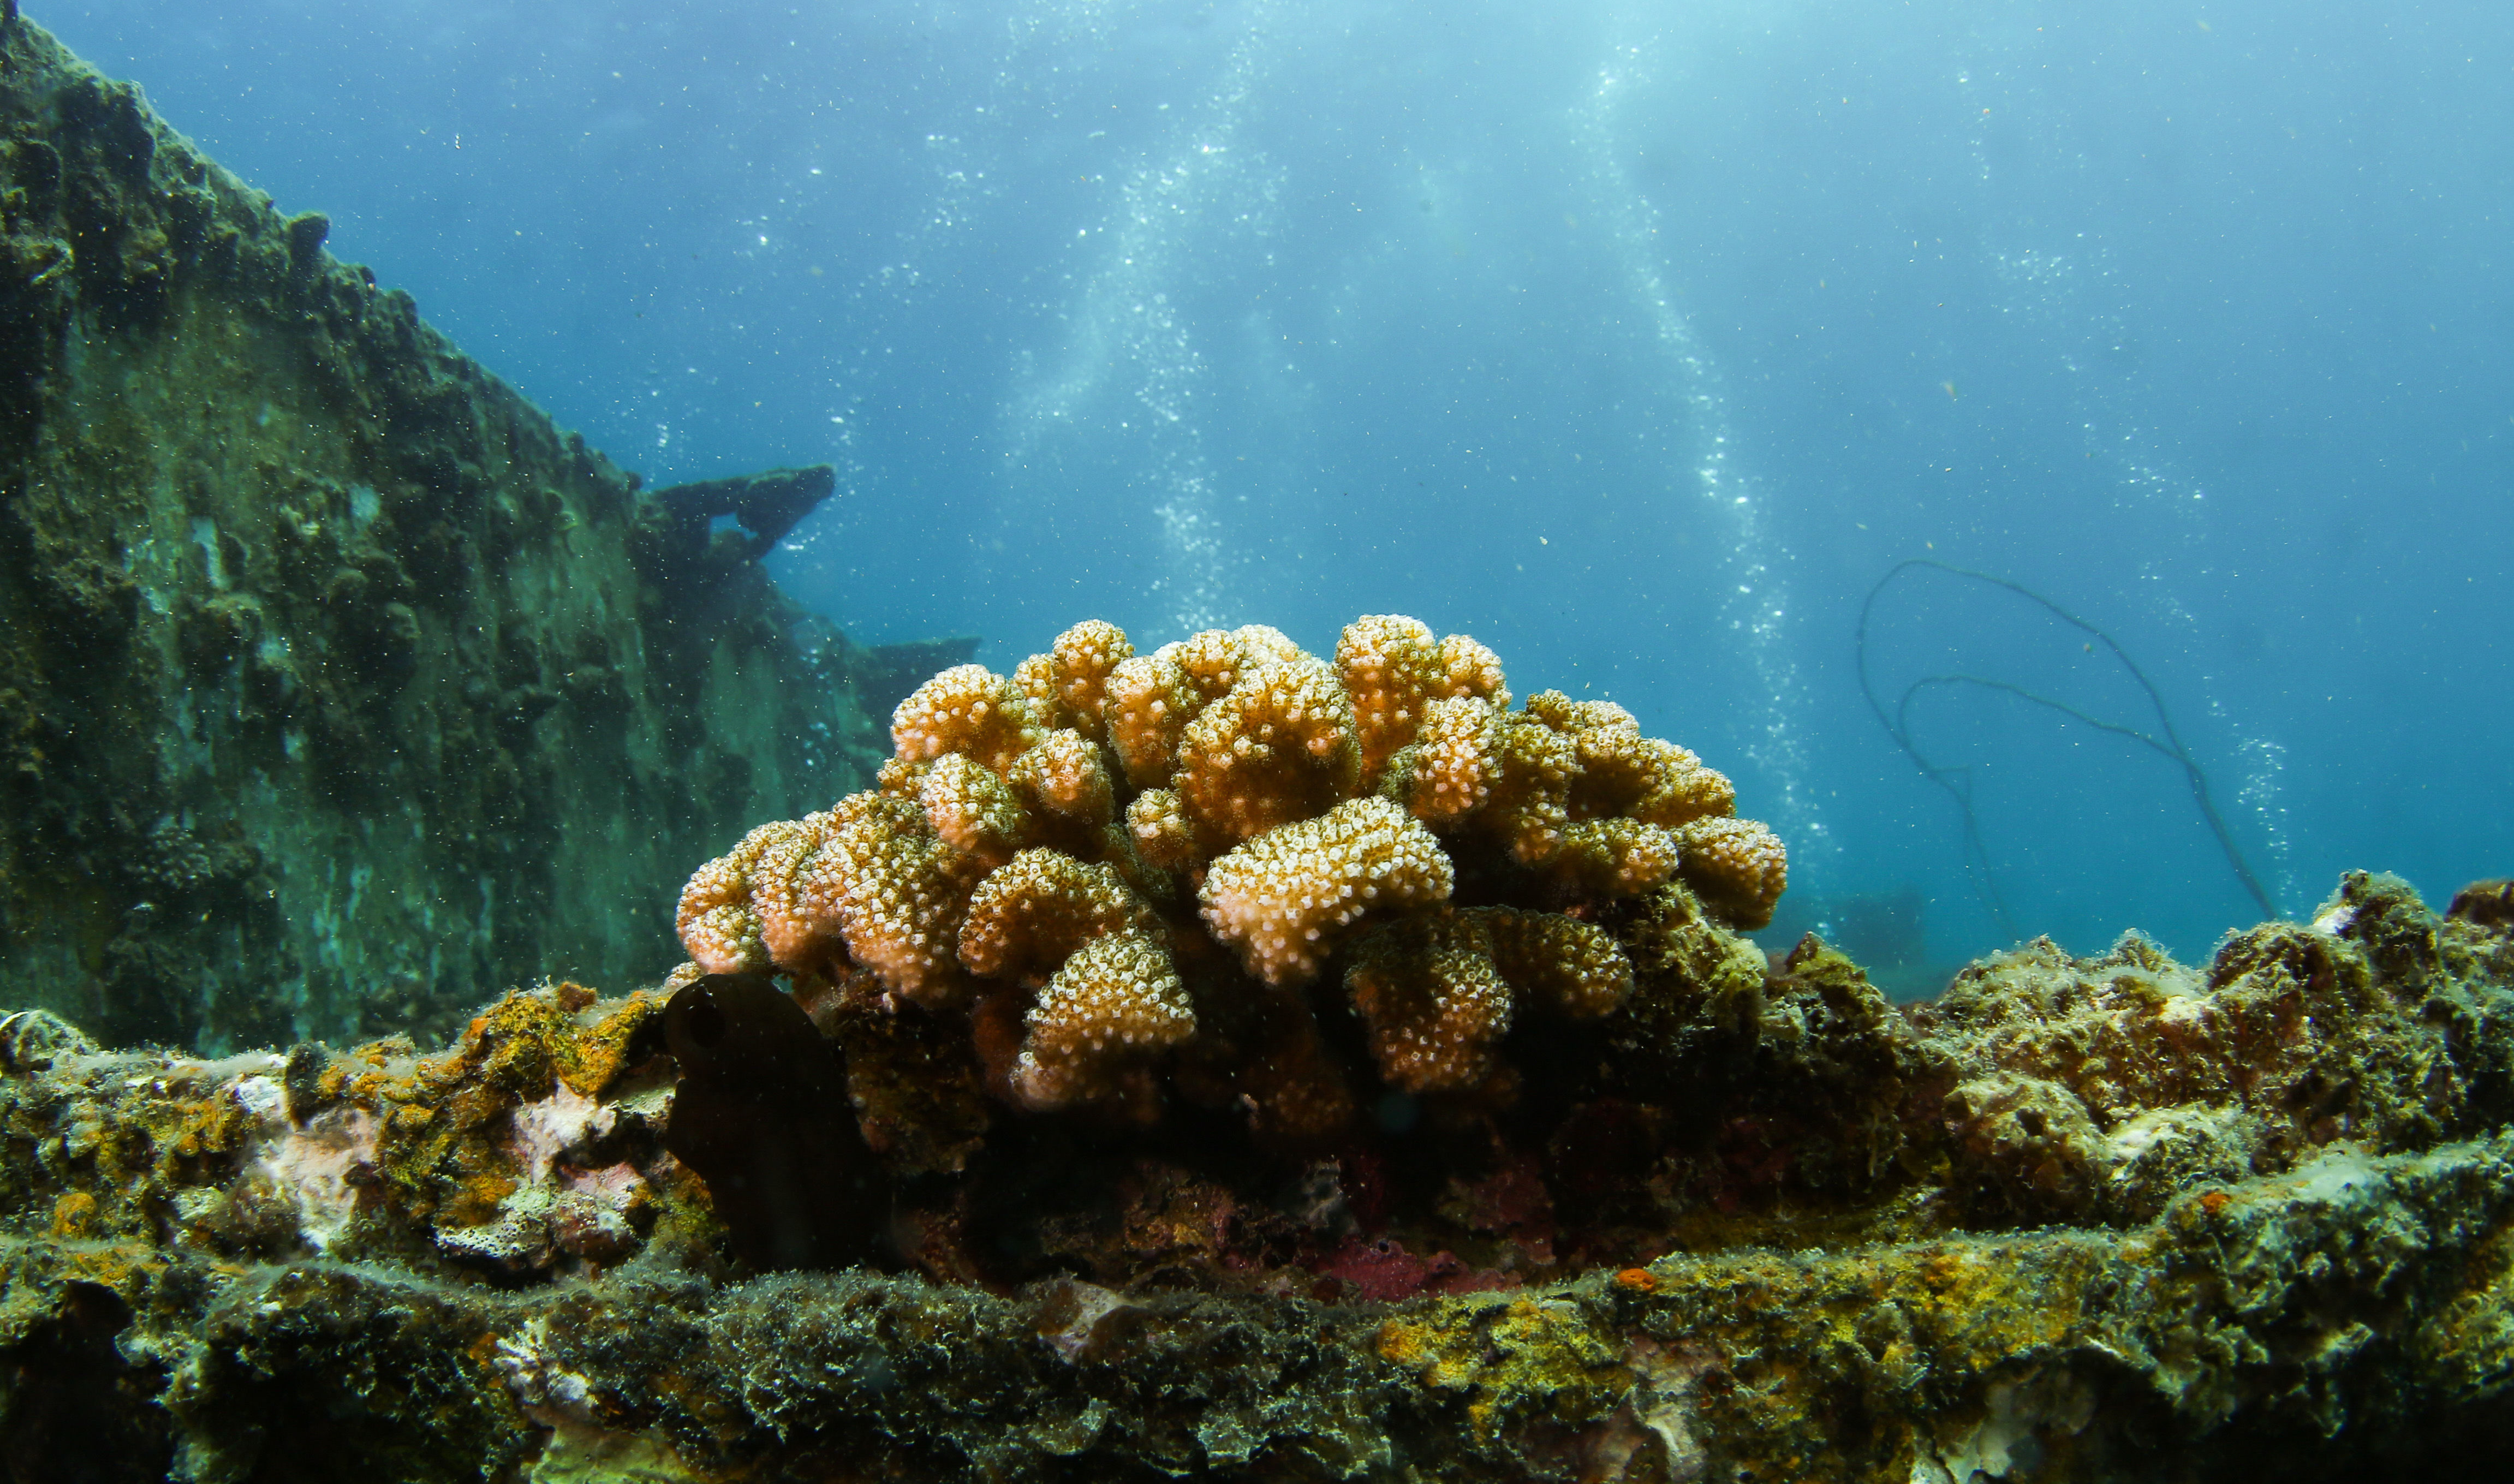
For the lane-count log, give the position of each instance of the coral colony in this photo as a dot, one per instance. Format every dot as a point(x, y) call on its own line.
point(1148, 861)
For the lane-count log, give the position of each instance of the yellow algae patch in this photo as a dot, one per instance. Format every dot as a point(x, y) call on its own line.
point(1516, 1358)
point(443, 1142)
point(1982, 1306)
point(119, 1266)
point(74, 1213)
point(528, 1038)
point(261, 1153)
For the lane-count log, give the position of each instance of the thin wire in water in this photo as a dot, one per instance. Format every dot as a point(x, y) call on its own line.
point(1958, 780)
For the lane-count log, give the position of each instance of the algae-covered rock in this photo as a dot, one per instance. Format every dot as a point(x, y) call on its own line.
point(2098, 1219)
point(339, 688)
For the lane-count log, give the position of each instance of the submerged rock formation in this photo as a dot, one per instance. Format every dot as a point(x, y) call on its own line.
point(339, 690)
point(2081, 1218)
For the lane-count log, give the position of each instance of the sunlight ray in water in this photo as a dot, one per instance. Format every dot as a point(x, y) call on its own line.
point(1702, 462)
point(1130, 371)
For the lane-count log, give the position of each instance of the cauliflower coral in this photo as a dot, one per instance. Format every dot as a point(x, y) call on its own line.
point(1140, 862)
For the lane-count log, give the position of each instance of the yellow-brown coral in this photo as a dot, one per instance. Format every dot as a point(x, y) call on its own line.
point(717, 921)
point(895, 890)
point(1615, 858)
point(973, 810)
point(1279, 899)
point(1064, 776)
point(1388, 664)
point(1448, 770)
point(1532, 768)
point(1079, 669)
point(1116, 999)
point(1070, 853)
point(1162, 834)
point(968, 709)
point(1434, 1002)
point(795, 939)
point(1397, 672)
point(1276, 748)
point(1438, 990)
point(1736, 866)
point(1036, 912)
point(1147, 706)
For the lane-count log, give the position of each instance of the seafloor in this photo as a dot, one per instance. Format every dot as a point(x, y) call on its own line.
point(2078, 1218)
point(339, 690)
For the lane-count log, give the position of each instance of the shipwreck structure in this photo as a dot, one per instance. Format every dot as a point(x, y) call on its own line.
point(340, 690)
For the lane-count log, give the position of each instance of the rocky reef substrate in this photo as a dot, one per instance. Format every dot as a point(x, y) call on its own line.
point(2109, 1218)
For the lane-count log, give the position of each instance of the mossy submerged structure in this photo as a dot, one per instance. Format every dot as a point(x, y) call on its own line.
point(339, 688)
point(2076, 1219)
point(2079, 1219)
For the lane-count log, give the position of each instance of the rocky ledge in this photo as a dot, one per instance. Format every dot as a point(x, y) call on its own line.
point(2106, 1218)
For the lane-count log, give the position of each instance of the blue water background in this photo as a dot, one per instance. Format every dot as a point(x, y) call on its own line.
point(1639, 340)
